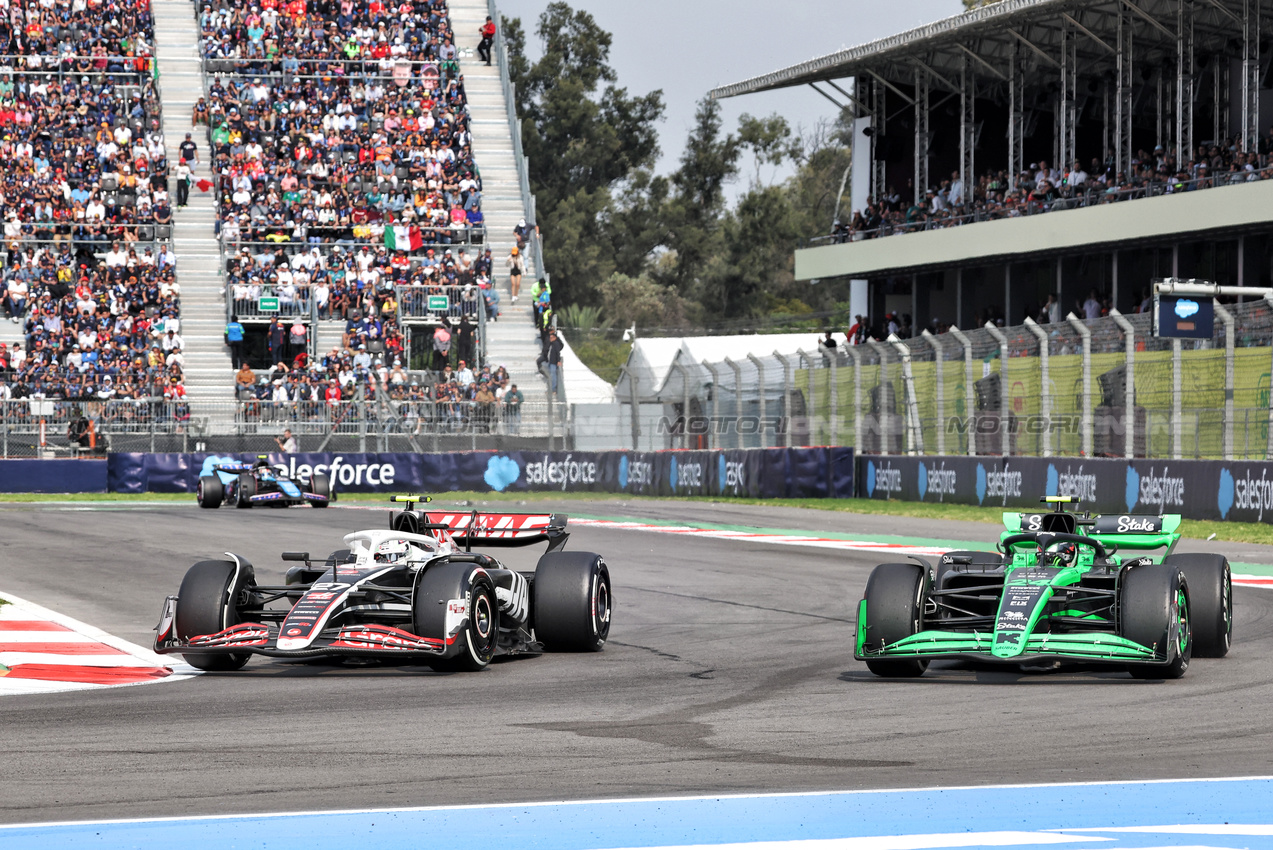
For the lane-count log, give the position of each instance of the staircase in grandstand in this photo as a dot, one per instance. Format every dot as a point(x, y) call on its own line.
point(512, 341)
point(208, 374)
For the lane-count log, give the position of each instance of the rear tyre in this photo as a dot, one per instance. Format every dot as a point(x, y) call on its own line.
point(894, 610)
point(244, 491)
point(211, 493)
point(206, 604)
point(321, 485)
point(572, 602)
point(479, 635)
point(1154, 612)
point(1210, 584)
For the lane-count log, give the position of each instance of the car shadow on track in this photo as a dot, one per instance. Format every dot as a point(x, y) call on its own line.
point(964, 673)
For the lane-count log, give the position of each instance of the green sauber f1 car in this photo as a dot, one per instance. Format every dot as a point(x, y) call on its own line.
point(1059, 588)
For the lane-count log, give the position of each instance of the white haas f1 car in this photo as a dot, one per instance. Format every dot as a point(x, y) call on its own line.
point(414, 592)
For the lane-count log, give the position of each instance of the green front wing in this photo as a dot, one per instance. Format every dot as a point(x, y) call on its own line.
point(979, 646)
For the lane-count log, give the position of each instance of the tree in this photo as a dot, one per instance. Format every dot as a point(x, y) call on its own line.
point(583, 136)
point(692, 213)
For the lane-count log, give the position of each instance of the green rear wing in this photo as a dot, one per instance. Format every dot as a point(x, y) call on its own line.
point(1124, 531)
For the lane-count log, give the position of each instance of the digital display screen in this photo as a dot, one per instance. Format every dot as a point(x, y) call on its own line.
point(1190, 317)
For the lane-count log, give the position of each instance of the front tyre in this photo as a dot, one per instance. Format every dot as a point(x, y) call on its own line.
point(478, 623)
point(894, 610)
point(572, 602)
point(244, 490)
point(211, 492)
point(1210, 584)
point(208, 603)
point(1154, 612)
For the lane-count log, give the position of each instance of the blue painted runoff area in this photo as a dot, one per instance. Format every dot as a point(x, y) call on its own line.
point(1229, 813)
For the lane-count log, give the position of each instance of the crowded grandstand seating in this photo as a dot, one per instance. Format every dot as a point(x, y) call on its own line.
point(84, 200)
point(346, 188)
point(1041, 189)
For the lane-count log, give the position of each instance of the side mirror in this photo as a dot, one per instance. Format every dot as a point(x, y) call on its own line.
point(296, 556)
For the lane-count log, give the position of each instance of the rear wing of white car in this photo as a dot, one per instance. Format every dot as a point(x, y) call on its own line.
point(484, 528)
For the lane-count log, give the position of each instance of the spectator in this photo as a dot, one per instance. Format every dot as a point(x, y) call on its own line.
point(515, 269)
point(286, 443)
point(513, 409)
point(553, 357)
point(244, 381)
point(234, 339)
point(487, 32)
point(1092, 306)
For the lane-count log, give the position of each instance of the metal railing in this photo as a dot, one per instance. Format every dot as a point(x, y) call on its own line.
point(1026, 207)
point(378, 423)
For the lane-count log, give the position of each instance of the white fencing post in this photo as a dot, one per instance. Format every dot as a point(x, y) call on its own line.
point(1086, 424)
point(760, 384)
point(1129, 387)
point(715, 403)
point(1004, 436)
point(786, 396)
point(970, 420)
point(935, 342)
point(738, 401)
point(1045, 390)
point(857, 395)
point(914, 436)
point(1227, 318)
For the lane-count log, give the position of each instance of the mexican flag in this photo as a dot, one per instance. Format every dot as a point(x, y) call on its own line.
point(401, 238)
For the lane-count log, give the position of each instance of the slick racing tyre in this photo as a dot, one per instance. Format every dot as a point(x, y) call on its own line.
point(1210, 601)
point(321, 485)
point(894, 610)
point(211, 491)
point(206, 604)
point(572, 602)
point(244, 490)
point(477, 639)
point(1154, 611)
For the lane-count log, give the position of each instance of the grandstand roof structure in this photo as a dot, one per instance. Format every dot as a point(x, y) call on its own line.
point(989, 36)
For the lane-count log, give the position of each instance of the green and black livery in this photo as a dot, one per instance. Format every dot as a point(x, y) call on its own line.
point(1062, 586)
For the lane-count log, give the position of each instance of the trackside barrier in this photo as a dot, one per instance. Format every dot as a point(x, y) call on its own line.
point(1197, 489)
point(28, 475)
point(758, 473)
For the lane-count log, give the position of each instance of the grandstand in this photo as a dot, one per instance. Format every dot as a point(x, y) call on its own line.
point(1142, 128)
point(350, 184)
point(89, 283)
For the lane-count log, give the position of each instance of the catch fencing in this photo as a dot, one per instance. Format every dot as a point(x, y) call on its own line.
point(1098, 388)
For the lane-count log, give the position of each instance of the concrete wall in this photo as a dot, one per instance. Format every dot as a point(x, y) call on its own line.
point(1229, 208)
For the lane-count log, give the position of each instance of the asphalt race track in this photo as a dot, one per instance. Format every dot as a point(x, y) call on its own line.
point(729, 669)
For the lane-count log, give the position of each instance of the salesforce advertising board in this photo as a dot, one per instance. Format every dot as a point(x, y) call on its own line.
point(1198, 489)
point(769, 473)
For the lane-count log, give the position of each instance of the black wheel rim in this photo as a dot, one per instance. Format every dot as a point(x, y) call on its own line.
point(482, 625)
point(601, 606)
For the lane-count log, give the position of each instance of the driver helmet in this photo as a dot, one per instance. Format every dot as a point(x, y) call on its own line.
point(262, 463)
point(391, 551)
point(1060, 554)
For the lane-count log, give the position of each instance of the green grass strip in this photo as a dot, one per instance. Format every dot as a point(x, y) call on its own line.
point(1234, 532)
